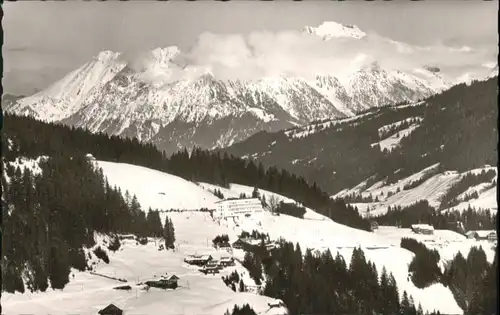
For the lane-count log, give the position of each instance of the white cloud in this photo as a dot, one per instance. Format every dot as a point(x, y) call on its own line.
point(295, 53)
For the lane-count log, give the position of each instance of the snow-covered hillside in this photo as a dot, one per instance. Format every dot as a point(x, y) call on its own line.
point(87, 293)
point(198, 293)
point(433, 187)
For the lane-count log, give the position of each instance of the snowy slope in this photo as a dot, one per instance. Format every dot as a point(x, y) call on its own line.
point(392, 141)
point(197, 293)
point(66, 96)
point(317, 232)
point(432, 188)
point(200, 294)
point(486, 200)
point(156, 189)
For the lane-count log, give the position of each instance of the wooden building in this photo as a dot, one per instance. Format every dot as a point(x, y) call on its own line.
point(198, 260)
point(210, 270)
point(483, 235)
point(239, 244)
point(227, 261)
point(169, 282)
point(111, 309)
point(422, 229)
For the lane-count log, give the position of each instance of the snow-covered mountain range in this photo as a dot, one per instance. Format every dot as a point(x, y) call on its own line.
point(148, 99)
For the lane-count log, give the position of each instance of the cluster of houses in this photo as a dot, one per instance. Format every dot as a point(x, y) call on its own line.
point(482, 235)
point(246, 243)
point(208, 264)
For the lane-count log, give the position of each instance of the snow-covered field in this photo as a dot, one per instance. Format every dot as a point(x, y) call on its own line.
point(202, 294)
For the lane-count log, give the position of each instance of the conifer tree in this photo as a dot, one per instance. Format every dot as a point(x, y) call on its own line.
point(169, 233)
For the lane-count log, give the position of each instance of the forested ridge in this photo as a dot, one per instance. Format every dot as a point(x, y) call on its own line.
point(320, 283)
point(199, 165)
point(51, 214)
point(456, 128)
point(421, 212)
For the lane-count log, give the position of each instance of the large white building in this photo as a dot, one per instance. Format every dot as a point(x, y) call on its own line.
point(238, 207)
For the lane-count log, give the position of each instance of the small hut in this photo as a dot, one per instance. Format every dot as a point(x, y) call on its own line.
point(111, 309)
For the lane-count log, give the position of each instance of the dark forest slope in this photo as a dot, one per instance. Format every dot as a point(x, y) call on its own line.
point(457, 128)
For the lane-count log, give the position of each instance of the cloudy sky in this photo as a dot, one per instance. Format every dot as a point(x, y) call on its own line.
point(45, 40)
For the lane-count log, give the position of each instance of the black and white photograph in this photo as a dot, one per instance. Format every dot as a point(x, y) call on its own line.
point(249, 157)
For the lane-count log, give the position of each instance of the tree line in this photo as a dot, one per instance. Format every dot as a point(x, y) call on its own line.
point(318, 283)
point(473, 281)
point(199, 165)
point(424, 266)
point(421, 212)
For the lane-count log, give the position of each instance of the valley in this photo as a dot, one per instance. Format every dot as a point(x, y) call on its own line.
point(207, 294)
point(224, 160)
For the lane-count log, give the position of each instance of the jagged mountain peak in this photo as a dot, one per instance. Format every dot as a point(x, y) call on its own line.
point(106, 56)
point(329, 29)
point(141, 95)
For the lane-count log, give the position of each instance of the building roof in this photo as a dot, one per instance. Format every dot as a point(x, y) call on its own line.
point(201, 257)
point(171, 277)
point(484, 233)
point(111, 307)
point(211, 267)
point(253, 242)
point(422, 226)
point(237, 199)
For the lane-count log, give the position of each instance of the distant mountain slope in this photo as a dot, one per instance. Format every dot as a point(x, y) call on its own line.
point(456, 130)
point(158, 100)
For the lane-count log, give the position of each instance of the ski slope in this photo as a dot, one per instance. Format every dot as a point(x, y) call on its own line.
point(202, 294)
